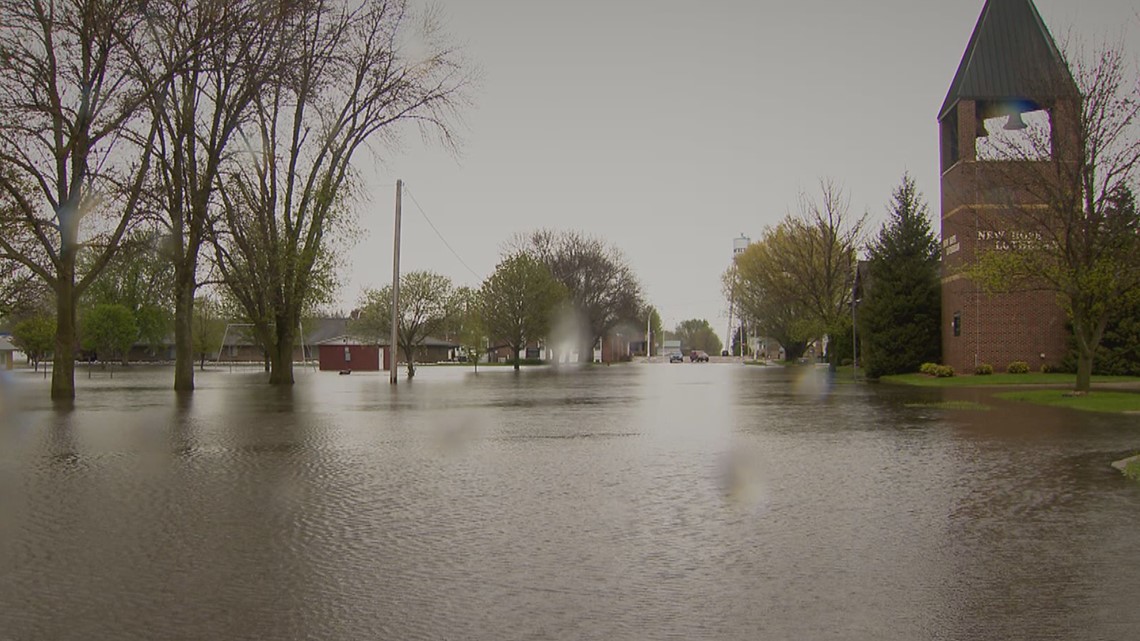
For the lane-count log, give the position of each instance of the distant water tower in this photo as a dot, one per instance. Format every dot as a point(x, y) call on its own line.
point(740, 244)
point(738, 247)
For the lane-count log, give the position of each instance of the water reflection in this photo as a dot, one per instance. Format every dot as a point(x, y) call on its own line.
point(628, 502)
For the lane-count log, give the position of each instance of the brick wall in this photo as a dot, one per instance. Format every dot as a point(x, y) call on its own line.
point(1000, 328)
point(984, 204)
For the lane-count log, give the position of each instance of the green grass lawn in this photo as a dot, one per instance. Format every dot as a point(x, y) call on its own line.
point(1097, 401)
point(1032, 378)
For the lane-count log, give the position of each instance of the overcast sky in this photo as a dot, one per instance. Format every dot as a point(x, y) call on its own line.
point(672, 127)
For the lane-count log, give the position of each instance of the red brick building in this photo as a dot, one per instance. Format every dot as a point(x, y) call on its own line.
point(1011, 67)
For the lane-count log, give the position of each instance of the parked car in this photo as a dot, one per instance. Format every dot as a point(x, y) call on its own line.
point(676, 357)
point(698, 356)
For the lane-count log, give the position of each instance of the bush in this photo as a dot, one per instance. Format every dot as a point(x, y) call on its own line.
point(1132, 470)
point(1018, 367)
point(943, 371)
point(929, 368)
point(985, 369)
point(1051, 369)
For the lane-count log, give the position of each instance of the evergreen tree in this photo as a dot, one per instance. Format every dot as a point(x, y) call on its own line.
point(901, 311)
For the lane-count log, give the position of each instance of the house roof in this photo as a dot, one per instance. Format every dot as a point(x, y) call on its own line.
point(348, 339)
point(321, 330)
point(6, 345)
point(1011, 57)
point(326, 331)
point(317, 330)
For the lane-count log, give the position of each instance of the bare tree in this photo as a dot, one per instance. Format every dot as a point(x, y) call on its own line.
point(216, 55)
point(22, 293)
point(820, 256)
point(347, 83)
point(70, 170)
point(1070, 224)
point(600, 283)
point(795, 283)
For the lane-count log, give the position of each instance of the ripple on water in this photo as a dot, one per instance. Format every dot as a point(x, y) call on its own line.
point(626, 502)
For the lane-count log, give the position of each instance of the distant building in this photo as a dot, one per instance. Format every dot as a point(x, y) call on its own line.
point(352, 354)
point(1011, 67)
point(7, 353)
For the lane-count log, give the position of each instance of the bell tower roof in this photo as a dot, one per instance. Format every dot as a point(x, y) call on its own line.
point(1011, 57)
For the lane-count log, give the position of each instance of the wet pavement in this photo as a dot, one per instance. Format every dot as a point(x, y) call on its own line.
point(685, 501)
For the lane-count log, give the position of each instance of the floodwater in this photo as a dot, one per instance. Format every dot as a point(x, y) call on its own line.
point(656, 501)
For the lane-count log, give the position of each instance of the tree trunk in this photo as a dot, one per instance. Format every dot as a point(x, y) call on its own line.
point(281, 356)
point(516, 351)
point(410, 361)
point(184, 333)
point(63, 361)
point(1084, 370)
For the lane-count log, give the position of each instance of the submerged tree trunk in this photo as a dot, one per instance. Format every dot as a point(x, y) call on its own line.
point(184, 332)
point(410, 361)
point(516, 351)
point(281, 356)
point(63, 361)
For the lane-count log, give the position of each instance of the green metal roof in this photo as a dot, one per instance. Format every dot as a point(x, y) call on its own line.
point(1011, 57)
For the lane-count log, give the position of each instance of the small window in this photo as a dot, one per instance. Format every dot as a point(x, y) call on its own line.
point(347, 354)
point(956, 324)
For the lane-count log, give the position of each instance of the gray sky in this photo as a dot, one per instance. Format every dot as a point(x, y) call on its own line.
point(670, 128)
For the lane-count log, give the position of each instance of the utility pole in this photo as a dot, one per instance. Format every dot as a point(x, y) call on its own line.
point(648, 328)
point(854, 336)
point(393, 350)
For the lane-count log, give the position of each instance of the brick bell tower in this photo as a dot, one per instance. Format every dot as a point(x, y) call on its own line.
point(1011, 68)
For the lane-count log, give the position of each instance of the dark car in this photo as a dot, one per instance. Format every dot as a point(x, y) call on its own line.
point(698, 356)
point(676, 357)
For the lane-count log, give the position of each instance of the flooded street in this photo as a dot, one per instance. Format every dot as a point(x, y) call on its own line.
point(630, 502)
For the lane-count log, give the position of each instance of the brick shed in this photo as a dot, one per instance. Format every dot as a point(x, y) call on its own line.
point(350, 353)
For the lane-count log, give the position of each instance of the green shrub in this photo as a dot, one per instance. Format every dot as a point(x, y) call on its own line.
point(1052, 369)
point(1132, 470)
point(1018, 367)
point(985, 369)
point(929, 368)
point(943, 371)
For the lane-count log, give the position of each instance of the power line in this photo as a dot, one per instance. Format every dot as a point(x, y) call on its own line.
point(437, 233)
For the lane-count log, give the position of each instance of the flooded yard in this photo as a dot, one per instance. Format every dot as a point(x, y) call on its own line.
point(630, 502)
